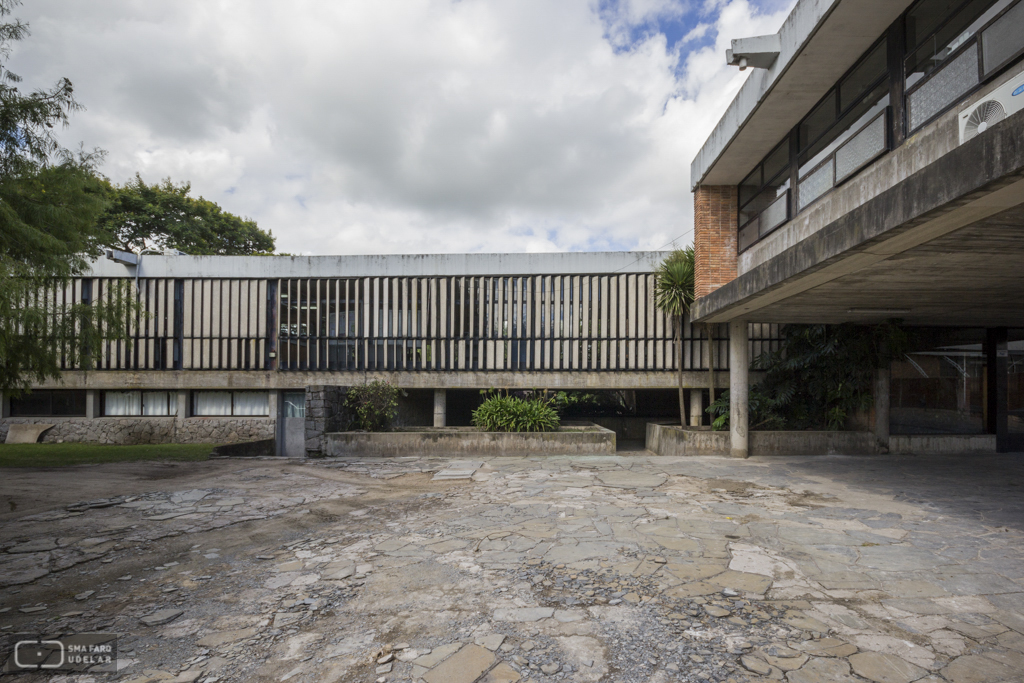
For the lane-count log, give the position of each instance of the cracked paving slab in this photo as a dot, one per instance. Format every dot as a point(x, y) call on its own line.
point(605, 568)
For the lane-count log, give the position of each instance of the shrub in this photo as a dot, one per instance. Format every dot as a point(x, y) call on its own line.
point(512, 414)
point(374, 406)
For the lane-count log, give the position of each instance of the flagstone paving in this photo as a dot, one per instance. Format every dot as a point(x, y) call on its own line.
point(602, 568)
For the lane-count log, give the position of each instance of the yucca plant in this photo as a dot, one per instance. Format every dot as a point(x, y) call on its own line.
point(673, 294)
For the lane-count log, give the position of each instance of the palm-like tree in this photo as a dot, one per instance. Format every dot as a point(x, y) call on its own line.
point(673, 294)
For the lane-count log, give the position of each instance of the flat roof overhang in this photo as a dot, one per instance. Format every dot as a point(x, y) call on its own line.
point(943, 247)
point(820, 41)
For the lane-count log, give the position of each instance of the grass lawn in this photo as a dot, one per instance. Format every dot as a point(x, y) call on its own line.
point(64, 454)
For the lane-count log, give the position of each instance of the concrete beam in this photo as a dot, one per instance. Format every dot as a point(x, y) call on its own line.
point(238, 379)
point(759, 52)
point(392, 265)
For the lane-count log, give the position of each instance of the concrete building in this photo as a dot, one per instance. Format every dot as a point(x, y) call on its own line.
point(870, 168)
point(236, 348)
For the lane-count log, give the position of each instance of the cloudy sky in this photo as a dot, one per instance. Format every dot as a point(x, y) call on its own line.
point(406, 126)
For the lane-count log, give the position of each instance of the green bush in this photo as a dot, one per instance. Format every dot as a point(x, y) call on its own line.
point(512, 414)
point(374, 406)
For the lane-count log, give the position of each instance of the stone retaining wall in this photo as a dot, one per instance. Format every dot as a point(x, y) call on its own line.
point(570, 440)
point(143, 430)
point(325, 412)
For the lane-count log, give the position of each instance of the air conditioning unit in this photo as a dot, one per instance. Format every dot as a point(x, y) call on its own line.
point(1006, 100)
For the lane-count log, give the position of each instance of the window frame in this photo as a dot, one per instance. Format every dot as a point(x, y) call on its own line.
point(897, 113)
point(172, 402)
point(232, 392)
point(49, 396)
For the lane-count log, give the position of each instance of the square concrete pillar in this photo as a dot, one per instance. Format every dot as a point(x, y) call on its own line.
point(92, 403)
point(882, 376)
point(182, 404)
point(997, 365)
point(739, 388)
point(440, 408)
point(696, 407)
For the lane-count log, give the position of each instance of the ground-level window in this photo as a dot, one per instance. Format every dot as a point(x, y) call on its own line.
point(151, 403)
point(230, 403)
point(49, 403)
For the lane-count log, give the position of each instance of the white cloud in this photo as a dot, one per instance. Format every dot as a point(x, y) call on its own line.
point(401, 126)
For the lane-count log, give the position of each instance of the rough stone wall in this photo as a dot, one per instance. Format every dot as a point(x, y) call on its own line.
point(144, 430)
point(714, 237)
point(325, 412)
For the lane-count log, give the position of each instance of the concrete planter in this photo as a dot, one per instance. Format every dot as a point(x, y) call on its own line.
point(938, 444)
point(679, 441)
point(571, 439)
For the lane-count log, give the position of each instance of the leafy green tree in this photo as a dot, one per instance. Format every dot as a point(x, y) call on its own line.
point(50, 202)
point(164, 216)
point(673, 294)
point(820, 376)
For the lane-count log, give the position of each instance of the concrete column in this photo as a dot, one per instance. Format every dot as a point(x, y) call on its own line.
point(182, 404)
point(92, 403)
point(440, 408)
point(882, 408)
point(997, 361)
point(739, 388)
point(696, 407)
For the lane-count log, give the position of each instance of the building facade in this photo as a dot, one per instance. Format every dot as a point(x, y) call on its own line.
point(872, 168)
point(230, 349)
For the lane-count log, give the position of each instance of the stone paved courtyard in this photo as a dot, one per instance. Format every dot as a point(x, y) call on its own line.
point(610, 568)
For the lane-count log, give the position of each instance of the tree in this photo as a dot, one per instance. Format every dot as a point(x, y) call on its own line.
point(164, 216)
point(50, 200)
point(673, 294)
point(819, 377)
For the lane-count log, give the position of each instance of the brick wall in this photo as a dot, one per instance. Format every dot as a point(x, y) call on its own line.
point(714, 237)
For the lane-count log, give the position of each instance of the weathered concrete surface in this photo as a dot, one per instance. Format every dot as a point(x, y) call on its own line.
point(582, 568)
point(570, 439)
point(975, 181)
point(671, 440)
point(146, 430)
point(942, 444)
point(22, 432)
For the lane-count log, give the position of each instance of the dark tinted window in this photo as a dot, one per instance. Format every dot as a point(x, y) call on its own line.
point(69, 403)
point(818, 121)
point(865, 75)
point(46, 403)
point(938, 41)
point(777, 161)
point(750, 186)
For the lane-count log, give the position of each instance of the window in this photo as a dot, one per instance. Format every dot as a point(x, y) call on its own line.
point(47, 403)
point(764, 196)
point(944, 62)
point(140, 403)
point(230, 403)
point(295, 404)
